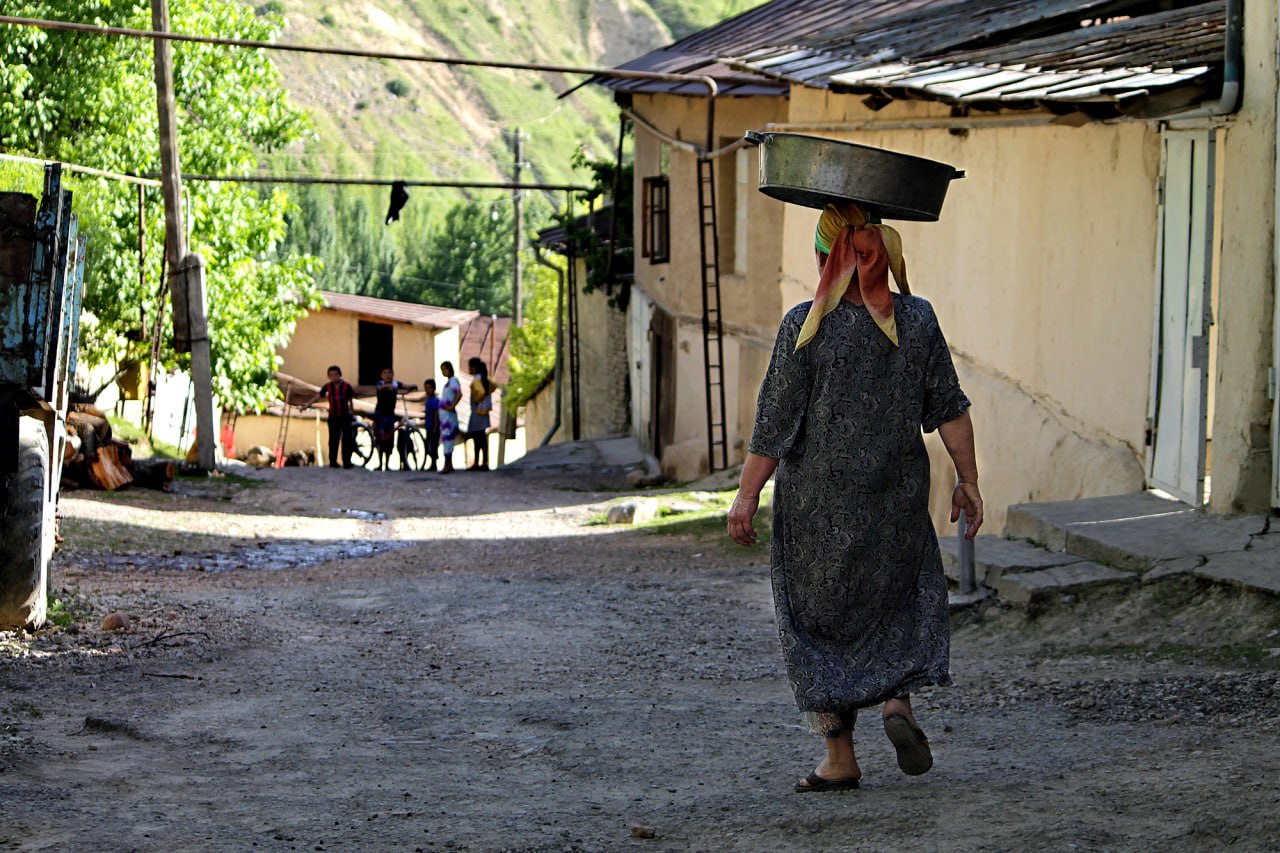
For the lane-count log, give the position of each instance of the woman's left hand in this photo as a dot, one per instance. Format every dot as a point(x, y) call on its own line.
point(966, 497)
point(741, 530)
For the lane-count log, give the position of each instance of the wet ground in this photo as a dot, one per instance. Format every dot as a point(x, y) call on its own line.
point(330, 660)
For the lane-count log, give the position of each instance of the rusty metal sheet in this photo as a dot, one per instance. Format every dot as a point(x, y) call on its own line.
point(951, 50)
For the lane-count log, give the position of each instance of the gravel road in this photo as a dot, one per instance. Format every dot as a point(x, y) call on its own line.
point(330, 660)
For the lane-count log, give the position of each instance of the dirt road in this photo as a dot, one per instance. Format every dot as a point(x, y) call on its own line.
point(328, 660)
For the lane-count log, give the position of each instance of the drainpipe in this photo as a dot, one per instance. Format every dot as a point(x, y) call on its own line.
point(1232, 66)
point(1272, 376)
point(559, 370)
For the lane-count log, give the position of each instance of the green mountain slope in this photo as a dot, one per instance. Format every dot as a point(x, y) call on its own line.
point(425, 120)
point(430, 121)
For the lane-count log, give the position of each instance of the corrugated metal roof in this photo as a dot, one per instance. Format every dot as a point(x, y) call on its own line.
point(431, 316)
point(1007, 52)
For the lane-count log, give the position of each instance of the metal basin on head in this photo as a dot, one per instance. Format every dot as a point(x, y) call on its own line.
point(815, 171)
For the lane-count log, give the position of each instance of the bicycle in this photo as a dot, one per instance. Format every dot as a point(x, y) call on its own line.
point(410, 440)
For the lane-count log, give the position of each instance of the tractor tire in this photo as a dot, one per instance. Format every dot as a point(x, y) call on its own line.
point(26, 534)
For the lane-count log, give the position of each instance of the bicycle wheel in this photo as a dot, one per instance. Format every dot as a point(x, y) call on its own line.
point(363, 453)
point(414, 441)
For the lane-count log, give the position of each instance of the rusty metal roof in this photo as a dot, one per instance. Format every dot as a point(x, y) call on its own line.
point(430, 316)
point(1005, 53)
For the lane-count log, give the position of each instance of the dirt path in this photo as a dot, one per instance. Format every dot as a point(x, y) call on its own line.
point(484, 670)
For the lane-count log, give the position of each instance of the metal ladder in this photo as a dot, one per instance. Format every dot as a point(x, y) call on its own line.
point(712, 329)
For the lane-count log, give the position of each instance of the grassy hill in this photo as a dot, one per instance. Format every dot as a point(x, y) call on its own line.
point(413, 120)
point(423, 120)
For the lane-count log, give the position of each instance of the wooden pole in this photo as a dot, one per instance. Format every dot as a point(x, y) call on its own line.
point(517, 315)
point(186, 272)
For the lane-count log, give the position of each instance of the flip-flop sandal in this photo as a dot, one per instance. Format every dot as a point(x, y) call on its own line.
point(914, 757)
point(814, 782)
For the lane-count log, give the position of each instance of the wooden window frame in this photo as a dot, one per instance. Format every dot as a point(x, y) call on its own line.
point(655, 220)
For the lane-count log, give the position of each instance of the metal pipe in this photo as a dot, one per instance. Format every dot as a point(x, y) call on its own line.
point(1228, 100)
point(968, 576)
point(936, 123)
point(379, 182)
point(71, 167)
point(559, 368)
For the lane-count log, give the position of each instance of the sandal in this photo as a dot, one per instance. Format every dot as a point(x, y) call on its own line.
point(914, 756)
point(814, 782)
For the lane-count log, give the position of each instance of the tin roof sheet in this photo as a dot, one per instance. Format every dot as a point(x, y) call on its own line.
point(1011, 51)
point(431, 316)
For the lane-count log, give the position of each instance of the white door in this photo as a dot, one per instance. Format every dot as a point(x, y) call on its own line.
point(1180, 355)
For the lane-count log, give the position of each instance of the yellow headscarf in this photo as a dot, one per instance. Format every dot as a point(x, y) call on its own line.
point(854, 244)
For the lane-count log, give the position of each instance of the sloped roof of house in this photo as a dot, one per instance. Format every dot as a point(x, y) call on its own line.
point(485, 338)
point(556, 238)
point(1004, 53)
point(430, 316)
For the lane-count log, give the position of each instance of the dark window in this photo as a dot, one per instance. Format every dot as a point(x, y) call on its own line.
point(655, 221)
point(375, 352)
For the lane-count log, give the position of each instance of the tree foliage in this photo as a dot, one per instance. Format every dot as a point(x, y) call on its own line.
point(467, 262)
point(91, 100)
point(533, 344)
point(608, 260)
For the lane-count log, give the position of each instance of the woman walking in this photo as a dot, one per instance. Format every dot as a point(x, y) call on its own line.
point(450, 394)
point(859, 593)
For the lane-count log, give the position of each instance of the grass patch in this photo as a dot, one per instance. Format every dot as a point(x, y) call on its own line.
point(1228, 656)
point(25, 709)
point(143, 447)
point(67, 610)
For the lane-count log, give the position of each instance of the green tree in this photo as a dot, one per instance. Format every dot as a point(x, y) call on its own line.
point(533, 344)
point(91, 100)
point(467, 262)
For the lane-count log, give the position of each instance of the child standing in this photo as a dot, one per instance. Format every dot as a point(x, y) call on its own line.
point(449, 397)
point(431, 421)
point(385, 417)
point(341, 424)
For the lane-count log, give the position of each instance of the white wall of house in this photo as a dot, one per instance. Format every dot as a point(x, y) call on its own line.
point(1042, 270)
point(1242, 451)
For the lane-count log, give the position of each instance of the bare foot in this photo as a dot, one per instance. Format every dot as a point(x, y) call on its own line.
point(901, 707)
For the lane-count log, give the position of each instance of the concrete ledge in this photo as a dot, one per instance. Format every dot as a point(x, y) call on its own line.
point(1256, 570)
point(1027, 587)
point(994, 556)
point(1132, 532)
point(960, 601)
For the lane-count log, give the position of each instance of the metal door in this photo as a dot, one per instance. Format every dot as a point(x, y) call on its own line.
point(1180, 353)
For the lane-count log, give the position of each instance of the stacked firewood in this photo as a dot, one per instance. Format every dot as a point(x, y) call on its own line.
point(94, 458)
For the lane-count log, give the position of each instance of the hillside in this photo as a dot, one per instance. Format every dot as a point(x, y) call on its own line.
point(423, 120)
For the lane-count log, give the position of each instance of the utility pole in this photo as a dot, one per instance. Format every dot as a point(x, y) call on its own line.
point(186, 270)
point(517, 201)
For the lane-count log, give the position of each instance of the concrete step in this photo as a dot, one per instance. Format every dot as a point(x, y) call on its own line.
point(1131, 532)
point(994, 556)
point(1027, 588)
point(1022, 573)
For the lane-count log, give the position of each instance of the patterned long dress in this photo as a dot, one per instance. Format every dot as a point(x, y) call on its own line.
point(859, 592)
point(450, 394)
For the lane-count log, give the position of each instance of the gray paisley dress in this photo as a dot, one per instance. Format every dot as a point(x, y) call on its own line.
point(858, 587)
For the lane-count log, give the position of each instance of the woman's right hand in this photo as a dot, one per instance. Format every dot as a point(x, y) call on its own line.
point(741, 515)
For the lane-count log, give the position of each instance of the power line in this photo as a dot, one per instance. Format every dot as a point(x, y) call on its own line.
point(616, 73)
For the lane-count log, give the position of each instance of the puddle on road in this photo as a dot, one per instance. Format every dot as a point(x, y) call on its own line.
point(361, 514)
point(270, 556)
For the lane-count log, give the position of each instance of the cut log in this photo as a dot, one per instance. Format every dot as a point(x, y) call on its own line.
point(153, 473)
point(110, 471)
